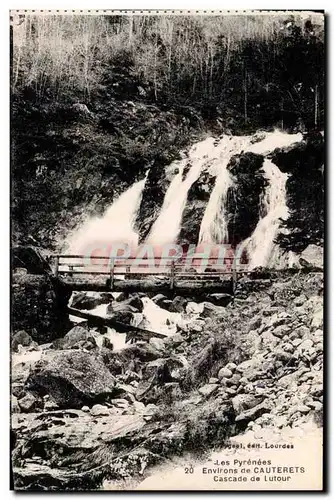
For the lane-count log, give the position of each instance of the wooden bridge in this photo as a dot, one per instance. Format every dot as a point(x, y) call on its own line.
point(130, 274)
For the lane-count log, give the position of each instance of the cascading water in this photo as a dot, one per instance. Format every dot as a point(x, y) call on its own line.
point(167, 226)
point(214, 223)
point(260, 246)
point(116, 225)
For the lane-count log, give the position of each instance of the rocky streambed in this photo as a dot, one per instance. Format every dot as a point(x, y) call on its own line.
point(87, 414)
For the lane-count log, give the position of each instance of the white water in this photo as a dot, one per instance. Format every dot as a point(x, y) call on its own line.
point(157, 319)
point(115, 226)
point(212, 155)
point(167, 226)
point(214, 223)
point(260, 245)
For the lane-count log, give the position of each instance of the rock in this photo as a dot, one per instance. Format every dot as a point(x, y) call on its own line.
point(305, 345)
point(254, 412)
point(315, 405)
point(139, 407)
point(317, 320)
point(178, 304)
point(288, 347)
point(136, 302)
point(15, 408)
point(150, 409)
point(302, 331)
point(71, 377)
point(81, 300)
point(29, 403)
point(159, 298)
point(194, 308)
point(21, 338)
point(211, 310)
point(281, 331)
point(231, 366)
point(312, 256)
point(300, 301)
point(195, 327)
point(120, 402)
point(213, 380)
point(230, 391)
point(234, 380)
point(125, 316)
point(158, 344)
point(255, 323)
point(208, 389)
point(220, 299)
point(77, 337)
point(250, 368)
point(85, 409)
point(224, 373)
point(244, 402)
point(156, 373)
point(39, 307)
point(125, 388)
point(279, 319)
point(299, 409)
point(49, 403)
point(280, 422)
point(99, 410)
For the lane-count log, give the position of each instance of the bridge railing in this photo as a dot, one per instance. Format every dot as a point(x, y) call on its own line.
point(127, 267)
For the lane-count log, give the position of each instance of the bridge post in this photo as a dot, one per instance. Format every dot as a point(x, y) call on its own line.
point(57, 266)
point(112, 274)
point(172, 274)
point(234, 273)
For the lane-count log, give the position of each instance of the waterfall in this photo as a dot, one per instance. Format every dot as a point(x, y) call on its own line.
point(167, 226)
point(260, 246)
point(116, 225)
point(214, 223)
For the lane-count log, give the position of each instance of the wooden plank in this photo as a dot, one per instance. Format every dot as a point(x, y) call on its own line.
point(150, 285)
point(111, 322)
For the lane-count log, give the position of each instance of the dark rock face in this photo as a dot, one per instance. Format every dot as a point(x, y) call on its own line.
point(152, 200)
point(73, 378)
point(198, 197)
point(305, 192)
point(39, 306)
point(30, 258)
point(243, 198)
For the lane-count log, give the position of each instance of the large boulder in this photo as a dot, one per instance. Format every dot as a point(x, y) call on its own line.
point(77, 337)
point(81, 300)
point(73, 378)
point(312, 256)
point(39, 306)
point(21, 338)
